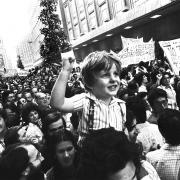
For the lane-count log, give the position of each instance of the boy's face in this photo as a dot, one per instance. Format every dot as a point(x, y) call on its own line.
point(107, 84)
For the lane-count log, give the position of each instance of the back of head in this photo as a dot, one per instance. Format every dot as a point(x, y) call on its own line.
point(139, 78)
point(169, 126)
point(13, 163)
point(105, 152)
point(94, 63)
point(138, 107)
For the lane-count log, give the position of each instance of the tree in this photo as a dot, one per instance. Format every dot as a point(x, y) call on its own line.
point(55, 39)
point(19, 62)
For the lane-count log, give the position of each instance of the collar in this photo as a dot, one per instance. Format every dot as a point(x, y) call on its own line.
point(167, 146)
point(94, 98)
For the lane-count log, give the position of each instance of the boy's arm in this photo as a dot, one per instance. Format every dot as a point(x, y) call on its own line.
point(58, 99)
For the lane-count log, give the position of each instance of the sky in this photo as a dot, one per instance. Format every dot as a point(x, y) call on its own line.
point(14, 23)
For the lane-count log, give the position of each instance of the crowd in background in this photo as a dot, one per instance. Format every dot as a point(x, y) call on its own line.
point(40, 142)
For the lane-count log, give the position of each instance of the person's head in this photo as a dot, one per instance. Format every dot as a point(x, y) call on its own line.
point(132, 88)
point(138, 107)
point(53, 123)
point(20, 87)
point(20, 103)
point(12, 114)
point(28, 96)
point(158, 100)
point(165, 80)
point(107, 154)
point(20, 161)
point(41, 100)
point(101, 74)
point(34, 90)
point(169, 126)
point(30, 113)
point(19, 96)
point(131, 125)
point(8, 97)
point(62, 148)
point(141, 78)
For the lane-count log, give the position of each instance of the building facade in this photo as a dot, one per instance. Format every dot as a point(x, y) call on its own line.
point(29, 48)
point(99, 24)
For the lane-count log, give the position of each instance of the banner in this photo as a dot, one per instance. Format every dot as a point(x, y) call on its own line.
point(172, 52)
point(126, 42)
point(68, 54)
point(137, 52)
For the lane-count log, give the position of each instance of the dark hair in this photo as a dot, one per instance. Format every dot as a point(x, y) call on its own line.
point(3, 114)
point(132, 85)
point(138, 107)
point(169, 126)
point(5, 95)
point(53, 141)
point(27, 108)
point(139, 78)
point(12, 136)
point(129, 119)
point(163, 77)
point(14, 161)
point(95, 62)
point(155, 94)
point(104, 152)
point(13, 108)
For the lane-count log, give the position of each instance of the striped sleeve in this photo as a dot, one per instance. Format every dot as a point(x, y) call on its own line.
point(78, 101)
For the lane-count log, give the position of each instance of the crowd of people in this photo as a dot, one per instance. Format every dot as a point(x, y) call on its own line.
point(99, 121)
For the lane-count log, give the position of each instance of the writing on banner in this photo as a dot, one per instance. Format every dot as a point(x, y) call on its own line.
point(172, 52)
point(136, 53)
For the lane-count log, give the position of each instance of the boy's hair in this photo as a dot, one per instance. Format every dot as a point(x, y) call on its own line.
point(96, 62)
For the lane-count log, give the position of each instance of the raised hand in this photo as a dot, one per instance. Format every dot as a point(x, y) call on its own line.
point(68, 63)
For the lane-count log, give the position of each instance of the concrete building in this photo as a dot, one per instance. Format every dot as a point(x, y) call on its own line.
point(99, 24)
point(24, 50)
point(29, 48)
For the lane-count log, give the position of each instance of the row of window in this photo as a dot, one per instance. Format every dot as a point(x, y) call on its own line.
point(83, 16)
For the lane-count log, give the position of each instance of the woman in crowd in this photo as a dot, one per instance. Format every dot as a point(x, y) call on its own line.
point(63, 150)
point(31, 114)
point(141, 79)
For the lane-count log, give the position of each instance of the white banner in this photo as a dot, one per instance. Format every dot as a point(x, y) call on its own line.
point(126, 42)
point(68, 54)
point(172, 52)
point(136, 53)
